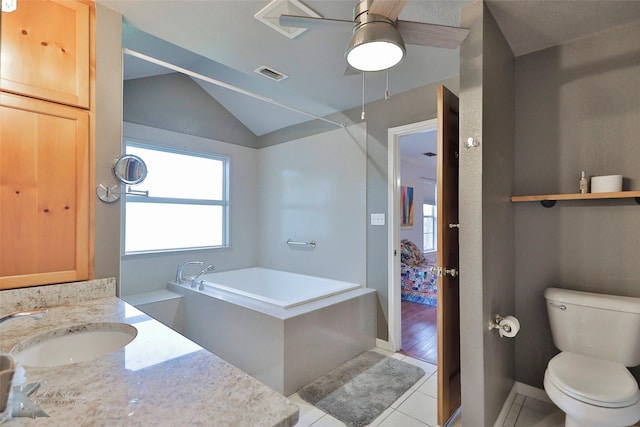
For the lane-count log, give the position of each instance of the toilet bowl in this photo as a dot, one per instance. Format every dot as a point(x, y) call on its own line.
point(599, 337)
point(592, 392)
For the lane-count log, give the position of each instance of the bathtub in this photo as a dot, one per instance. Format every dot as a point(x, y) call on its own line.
point(285, 329)
point(279, 288)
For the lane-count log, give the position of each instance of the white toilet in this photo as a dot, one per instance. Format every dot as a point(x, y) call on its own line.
point(599, 336)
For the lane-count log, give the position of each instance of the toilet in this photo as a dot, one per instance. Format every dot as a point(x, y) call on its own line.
point(599, 337)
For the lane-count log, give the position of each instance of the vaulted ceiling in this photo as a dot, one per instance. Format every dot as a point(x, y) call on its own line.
point(223, 40)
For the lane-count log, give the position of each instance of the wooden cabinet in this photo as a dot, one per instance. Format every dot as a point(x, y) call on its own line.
point(46, 143)
point(45, 47)
point(44, 176)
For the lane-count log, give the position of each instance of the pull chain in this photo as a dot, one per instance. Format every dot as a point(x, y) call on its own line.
point(362, 115)
point(387, 94)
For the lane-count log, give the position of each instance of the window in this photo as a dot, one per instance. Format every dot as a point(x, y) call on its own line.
point(188, 203)
point(429, 231)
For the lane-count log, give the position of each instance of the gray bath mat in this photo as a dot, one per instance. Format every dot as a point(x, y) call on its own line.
point(357, 392)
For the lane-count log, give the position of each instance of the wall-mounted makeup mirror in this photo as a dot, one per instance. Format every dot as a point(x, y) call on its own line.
point(130, 169)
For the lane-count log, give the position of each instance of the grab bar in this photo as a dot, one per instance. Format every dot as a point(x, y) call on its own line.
point(311, 244)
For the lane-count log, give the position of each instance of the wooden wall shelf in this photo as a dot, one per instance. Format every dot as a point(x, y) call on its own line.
point(549, 200)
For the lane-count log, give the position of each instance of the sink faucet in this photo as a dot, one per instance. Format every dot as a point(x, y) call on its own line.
point(34, 314)
point(197, 276)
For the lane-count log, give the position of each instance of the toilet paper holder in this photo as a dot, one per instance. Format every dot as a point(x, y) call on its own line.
point(495, 324)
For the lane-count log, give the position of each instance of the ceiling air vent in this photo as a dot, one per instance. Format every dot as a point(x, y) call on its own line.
point(271, 73)
point(270, 15)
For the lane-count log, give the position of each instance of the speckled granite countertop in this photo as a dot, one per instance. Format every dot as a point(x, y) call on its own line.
point(159, 379)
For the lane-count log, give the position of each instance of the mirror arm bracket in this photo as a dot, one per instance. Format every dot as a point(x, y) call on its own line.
point(109, 193)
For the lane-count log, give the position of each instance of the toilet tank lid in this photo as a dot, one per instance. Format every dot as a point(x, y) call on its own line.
point(590, 299)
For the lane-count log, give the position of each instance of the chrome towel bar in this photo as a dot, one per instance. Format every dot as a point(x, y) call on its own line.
point(311, 244)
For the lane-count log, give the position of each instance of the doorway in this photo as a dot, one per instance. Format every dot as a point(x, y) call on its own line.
point(412, 302)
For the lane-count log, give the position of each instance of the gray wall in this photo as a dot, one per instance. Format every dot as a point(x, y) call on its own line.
point(108, 129)
point(191, 110)
point(404, 108)
point(578, 108)
point(486, 215)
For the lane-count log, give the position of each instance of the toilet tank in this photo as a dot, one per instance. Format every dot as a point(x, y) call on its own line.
point(596, 325)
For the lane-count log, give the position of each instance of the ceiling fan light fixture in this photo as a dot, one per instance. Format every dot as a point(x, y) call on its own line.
point(375, 46)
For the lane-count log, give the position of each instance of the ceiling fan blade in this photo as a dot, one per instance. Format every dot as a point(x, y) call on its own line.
point(432, 34)
point(311, 22)
point(389, 8)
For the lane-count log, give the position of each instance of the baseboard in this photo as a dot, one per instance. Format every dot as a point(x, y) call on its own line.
point(385, 345)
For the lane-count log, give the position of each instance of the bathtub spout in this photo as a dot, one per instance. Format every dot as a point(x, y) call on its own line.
point(197, 276)
point(179, 278)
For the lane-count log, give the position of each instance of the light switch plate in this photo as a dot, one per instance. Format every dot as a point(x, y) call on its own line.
point(377, 219)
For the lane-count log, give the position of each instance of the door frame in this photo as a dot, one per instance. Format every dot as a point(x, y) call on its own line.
point(394, 319)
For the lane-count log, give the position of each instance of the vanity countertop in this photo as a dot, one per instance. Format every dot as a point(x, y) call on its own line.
point(160, 379)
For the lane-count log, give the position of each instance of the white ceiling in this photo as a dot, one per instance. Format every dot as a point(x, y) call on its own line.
point(223, 40)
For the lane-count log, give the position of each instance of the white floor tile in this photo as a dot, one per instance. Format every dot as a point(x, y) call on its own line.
point(398, 419)
point(531, 418)
point(418, 407)
point(402, 398)
point(421, 407)
point(430, 386)
point(309, 414)
point(539, 406)
point(383, 416)
point(512, 416)
point(328, 421)
point(427, 367)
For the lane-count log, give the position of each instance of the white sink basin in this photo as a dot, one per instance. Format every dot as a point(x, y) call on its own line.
point(73, 344)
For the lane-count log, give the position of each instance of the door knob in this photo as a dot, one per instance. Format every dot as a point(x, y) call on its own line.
point(439, 271)
point(451, 272)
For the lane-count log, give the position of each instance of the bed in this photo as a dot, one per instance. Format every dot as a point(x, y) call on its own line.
point(418, 284)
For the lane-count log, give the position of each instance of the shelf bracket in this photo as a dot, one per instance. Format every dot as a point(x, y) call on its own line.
point(548, 203)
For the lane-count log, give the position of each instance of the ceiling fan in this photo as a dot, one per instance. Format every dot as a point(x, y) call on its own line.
point(378, 36)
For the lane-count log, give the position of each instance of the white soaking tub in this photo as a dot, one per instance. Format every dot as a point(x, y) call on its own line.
point(283, 328)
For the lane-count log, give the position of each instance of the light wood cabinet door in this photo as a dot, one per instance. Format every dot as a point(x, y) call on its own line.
point(44, 192)
point(45, 51)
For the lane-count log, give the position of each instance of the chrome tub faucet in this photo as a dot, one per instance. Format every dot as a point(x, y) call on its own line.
point(33, 314)
point(197, 276)
point(180, 278)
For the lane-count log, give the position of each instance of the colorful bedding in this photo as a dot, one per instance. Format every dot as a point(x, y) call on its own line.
point(419, 284)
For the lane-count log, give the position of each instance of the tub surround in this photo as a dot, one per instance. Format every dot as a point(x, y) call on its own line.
point(159, 378)
point(285, 348)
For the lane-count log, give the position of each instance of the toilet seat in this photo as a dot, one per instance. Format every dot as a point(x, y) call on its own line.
point(594, 381)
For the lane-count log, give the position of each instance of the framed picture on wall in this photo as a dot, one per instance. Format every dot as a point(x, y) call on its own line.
point(406, 198)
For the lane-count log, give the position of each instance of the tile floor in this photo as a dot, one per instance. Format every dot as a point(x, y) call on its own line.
point(416, 408)
point(527, 412)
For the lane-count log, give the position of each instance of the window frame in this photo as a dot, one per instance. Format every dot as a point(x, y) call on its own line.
point(434, 232)
point(136, 198)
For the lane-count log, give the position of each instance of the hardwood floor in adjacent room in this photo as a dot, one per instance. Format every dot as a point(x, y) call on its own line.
point(420, 331)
